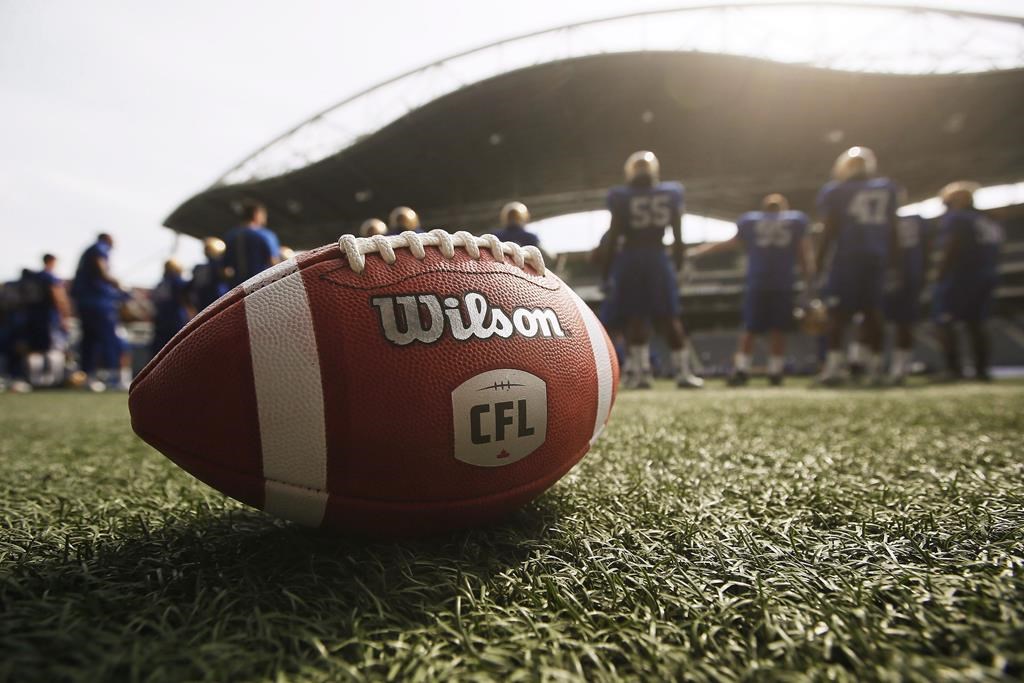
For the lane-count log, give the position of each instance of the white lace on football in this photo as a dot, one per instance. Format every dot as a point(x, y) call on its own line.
point(356, 248)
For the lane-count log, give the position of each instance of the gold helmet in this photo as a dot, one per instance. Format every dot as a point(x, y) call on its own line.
point(213, 247)
point(959, 194)
point(286, 253)
point(403, 218)
point(373, 226)
point(642, 163)
point(174, 266)
point(775, 202)
point(515, 213)
point(856, 161)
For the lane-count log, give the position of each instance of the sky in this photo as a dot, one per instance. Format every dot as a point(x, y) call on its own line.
point(112, 113)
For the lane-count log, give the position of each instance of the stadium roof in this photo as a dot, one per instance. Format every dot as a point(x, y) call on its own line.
point(736, 99)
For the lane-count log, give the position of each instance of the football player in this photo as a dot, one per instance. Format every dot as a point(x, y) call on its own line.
point(969, 244)
point(372, 227)
point(97, 296)
point(858, 209)
point(207, 283)
point(903, 298)
point(514, 216)
point(173, 308)
point(250, 248)
point(47, 311)
point(403, 218)
point(776, 240)
point(645, 286)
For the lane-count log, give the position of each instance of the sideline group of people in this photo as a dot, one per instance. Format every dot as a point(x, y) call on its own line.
point(867, 262)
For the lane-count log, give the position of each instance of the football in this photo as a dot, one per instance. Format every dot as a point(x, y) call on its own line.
point(388, 386)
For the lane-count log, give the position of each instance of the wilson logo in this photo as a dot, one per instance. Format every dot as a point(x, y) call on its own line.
point(426, 317)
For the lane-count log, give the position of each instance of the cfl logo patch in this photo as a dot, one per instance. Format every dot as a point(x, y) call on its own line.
point(499, 417)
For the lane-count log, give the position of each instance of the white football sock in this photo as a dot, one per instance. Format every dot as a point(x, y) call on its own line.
point(742, 362)
point(833, 362)
point(639, 358)
point(856, 353)
point(873, 364)
point(776, 365)
point(35, 364)
point(126, 376)
point(682, 362)
point(900, 361)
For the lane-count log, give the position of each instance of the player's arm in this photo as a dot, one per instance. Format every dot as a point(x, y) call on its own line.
point(926, 250)
point(805, 259)
point(950, 253)
point(711, 248)
point(274, 246)
point(103, 270)
point(830, 228)
point(615, 230)
point(62, 303)
point(678, 246)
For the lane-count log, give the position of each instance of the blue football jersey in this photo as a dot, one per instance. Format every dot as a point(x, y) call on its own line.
point(249, 251)
point(644, 212)
point(167, 298)
point(864, 209)
point(88, 287)
point(912, 232)
point(518, 235)
point(772, 240)
point(978, 240)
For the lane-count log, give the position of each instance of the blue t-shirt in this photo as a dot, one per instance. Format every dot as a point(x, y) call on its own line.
point(864, 209)
point(519, 235)
point(912, 232)
point(772, 240)
point(643, 213)
point(207, 284)
point(167, 298)
point(88, 287)
point(978, 240)
point(249, 251)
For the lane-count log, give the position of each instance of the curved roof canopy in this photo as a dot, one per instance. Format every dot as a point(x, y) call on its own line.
point(736, 99)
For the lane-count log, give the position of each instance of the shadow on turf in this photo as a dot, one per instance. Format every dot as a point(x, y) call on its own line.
point(241, 595)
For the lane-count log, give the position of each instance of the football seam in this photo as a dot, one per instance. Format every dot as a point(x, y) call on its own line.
point(156, 443)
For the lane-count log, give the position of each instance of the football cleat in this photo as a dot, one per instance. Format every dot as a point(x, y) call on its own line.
point(855, 162)
point(775, 380)
point(737, 379)
point(642, 164)
point(373, 226)
point(514, 213)
point(689, 381)
point(403, 218)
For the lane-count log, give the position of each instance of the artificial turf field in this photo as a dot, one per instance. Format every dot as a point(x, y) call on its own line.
point(724, 535)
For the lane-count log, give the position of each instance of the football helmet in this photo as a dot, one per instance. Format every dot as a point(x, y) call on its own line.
point(515, 213)
point(373, 226)
point(775, 202)
point(642, 163)
point(403, 218)
point(812, 318)
point(959, 194)
point(173, 265)
point(856, 161)
point(286, 253)
point(213, 247)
